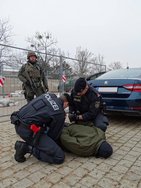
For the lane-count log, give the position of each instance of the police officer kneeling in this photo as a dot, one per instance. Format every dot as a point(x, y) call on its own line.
point(87, 105)
point(39, 124)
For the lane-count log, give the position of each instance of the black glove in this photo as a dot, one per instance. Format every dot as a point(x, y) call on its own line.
point(73, 117)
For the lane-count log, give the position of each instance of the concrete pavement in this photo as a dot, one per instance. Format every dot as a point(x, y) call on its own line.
point(121, 170)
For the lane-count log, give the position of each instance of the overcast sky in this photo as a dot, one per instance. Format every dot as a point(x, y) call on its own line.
point(111, 28)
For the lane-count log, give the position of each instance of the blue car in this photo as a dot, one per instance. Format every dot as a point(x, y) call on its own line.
point(121, 90)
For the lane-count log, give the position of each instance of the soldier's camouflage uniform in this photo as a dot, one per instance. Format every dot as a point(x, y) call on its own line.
point(34, 80)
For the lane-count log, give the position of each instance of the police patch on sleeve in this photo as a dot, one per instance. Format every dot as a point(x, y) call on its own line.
point(51, 101)
point(97, 104)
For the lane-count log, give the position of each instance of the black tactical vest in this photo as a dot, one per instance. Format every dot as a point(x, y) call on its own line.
point(41, 109)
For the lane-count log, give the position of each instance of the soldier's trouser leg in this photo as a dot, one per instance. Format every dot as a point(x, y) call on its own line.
point(39, 91)
point(29, 94)
point(101, 122)
point(48, 151)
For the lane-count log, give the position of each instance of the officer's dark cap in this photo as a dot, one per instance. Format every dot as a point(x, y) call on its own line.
point(80, 85)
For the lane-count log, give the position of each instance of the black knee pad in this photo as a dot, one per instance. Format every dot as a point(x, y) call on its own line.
point(105, 150)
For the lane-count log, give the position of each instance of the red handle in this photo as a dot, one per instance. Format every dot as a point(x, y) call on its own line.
point(34, 128)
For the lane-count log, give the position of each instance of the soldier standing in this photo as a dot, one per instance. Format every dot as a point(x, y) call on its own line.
point(33, 78)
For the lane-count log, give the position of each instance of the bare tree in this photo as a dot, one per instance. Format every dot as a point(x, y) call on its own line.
point(98, 64)
point(84, 56)
point(5, 38)
point(115, 65)
point(17, 59)
point(88, 63)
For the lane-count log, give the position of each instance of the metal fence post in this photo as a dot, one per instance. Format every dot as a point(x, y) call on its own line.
point(61, 84)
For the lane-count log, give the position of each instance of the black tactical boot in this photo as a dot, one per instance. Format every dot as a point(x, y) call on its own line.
point(21, 149)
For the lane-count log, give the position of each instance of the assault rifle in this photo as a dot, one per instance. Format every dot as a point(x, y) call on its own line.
point(32, 83)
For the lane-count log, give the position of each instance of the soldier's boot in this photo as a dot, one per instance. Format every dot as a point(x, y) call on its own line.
point(21, 149)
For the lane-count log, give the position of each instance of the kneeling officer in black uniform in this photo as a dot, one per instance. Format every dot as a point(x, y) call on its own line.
point(87, 105)
point(39, 124)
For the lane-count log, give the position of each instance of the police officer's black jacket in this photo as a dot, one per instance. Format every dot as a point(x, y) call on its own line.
point(42, 110)
point(87, 105)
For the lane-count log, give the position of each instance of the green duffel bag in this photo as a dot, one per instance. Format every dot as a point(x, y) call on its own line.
point(82, 140)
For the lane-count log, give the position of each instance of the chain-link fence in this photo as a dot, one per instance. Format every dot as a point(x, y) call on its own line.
point(61, 72)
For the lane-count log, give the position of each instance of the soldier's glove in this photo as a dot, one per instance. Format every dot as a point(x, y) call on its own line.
point(73, 117)
point(47, 89)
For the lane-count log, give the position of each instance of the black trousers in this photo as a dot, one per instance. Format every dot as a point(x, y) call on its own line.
point(48, 151)
point(101, 121)
point(46, 148)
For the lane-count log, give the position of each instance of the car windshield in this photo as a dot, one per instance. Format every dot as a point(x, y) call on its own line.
point(121, 74)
